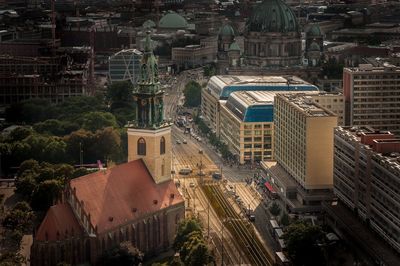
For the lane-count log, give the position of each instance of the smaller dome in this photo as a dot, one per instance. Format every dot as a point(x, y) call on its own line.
point(234, 47)
point(314, 31)
point(314, 47)
point(173, 20)
point(226, 30)
point(149, 24)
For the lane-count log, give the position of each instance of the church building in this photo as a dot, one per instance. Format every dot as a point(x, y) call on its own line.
point(136, 201)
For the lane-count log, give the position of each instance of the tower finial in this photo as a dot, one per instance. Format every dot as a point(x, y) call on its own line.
point(147, 45)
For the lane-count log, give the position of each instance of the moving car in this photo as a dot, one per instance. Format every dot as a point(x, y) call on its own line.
point(185, 171)
point(178, 141)
point(184, 141)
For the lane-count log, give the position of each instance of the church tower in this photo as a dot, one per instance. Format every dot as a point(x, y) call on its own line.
point(149, 136)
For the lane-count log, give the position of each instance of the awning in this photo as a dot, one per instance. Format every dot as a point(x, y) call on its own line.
point(269, 187)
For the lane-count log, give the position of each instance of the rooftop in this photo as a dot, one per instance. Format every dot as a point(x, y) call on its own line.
point(58, 224)
point(223, 85)
point(385, 144)
point(124, 193)
point(371, 68)
point(306, 104)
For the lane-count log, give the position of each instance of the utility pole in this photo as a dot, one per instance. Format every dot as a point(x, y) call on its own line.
point(208, 220)
point(222, 245)
point(80, 154)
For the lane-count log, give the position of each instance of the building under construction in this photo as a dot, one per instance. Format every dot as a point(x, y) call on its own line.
point(66, 74)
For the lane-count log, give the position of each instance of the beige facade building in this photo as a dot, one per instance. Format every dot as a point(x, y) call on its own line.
point(220, 87)
point(193, 55)
point(303, 150)
point(372, 97)
point(247, 125)
point(333, 102)
point(366, 178)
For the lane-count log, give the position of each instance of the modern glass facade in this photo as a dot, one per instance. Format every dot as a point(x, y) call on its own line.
point(125, 65)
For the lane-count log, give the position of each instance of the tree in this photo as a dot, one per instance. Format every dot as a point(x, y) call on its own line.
point(120, 94)
point(20, 217)
point(210, 70)
point(25, 185)
point(30, 164)
point(192, 94)
point(109, 143)
point(275, 210)
point(185, 228)
point(124, 255)
point(98, 120)
point(81, 140)
point(302, 241)
point(50, 126)
point(195, 251)
point(285, 220)
point(11, 259)
point(20, 133)
point(45, 194)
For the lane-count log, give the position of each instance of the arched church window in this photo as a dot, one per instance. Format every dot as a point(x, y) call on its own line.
point(141, 147)
point(162, 145)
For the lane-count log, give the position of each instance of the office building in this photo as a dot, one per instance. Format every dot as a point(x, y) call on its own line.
point(303, 150)
point(124, 66)
point(220, 87)
point(367, 178)
point(372, 97)
point(333, 102)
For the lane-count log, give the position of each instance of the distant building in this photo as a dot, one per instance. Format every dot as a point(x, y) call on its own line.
point(272, 36)
point(366, 178)
point(54, 78)
point(303, 150)
point(247, 124)
point(192, 56)
point(334, 102)
point(124, 65)
point(372, 96)
point(314, 45)
point(136, 201)
point(220, 87)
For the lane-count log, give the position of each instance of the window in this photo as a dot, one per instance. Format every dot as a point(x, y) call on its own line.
point(141, 146)
point(163, 168)
point(162, 145)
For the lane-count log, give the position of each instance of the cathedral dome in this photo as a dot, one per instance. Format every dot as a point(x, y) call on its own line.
point(173, 20)
point(226, 30)
point(234, 47)
point(272, 16)
point(314, 31)
point(149, 24)
point(314, 47)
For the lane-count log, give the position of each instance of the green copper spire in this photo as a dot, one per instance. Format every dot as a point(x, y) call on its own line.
point(148, 94)
point(149, 64)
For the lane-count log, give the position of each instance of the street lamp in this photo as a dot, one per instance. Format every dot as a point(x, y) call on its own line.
point(201, 166)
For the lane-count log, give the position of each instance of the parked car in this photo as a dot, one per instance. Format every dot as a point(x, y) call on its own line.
point(185, 171)
point(217, 175)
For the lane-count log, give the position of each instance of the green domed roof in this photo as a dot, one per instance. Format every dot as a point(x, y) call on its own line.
point(226, 30)
point(149, 24)
point(314, 47)
point(234, 47)
point(173, 20)
point(314, 31)
point(272, 16)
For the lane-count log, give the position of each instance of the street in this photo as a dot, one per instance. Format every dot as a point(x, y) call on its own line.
point(201, 158)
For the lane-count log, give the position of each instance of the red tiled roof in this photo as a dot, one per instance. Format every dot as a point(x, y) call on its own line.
point(123, 193)
point(59, 221)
